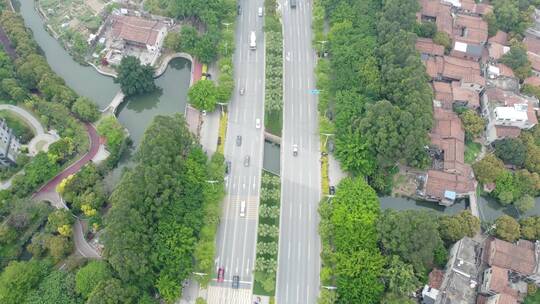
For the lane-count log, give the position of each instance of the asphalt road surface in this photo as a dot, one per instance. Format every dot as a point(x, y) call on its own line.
point(237, 235)
point(299, 243)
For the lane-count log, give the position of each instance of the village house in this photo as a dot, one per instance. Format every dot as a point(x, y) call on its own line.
point(134, 35)
point(490, 271)
point(507, 113)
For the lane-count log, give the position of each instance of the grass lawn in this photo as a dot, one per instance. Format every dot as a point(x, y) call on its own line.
point(472, 149)
point(273, 122)
point(19, 126)
point(533, 299)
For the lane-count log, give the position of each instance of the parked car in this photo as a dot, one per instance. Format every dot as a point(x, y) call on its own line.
point(236, 282)
point(295, 150)
point(332, 190)
point(239, 140)
point(246, 161)
point(258, 123)
point(221, 274)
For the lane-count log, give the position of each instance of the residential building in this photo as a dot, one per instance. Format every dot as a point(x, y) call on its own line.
point(139, 32)
point(488, 271)
point(462, 275)
point(426, 47)
point(466, 50)
point(449, 69)
point(507, 113)
point(9, 145)
point(470, 29)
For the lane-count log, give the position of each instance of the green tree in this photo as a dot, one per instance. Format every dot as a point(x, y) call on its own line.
point(530, 228)
point(443, 39)
point(57, 287)
point(203, 95)
point(413, 235)
point(524, 203)
point(472, 123)
point(511, 151)
point(426, 29)
point(492, 24)
point(517, 59)
point(58, 246)
point(58, 219)
point(19, 278)
point(488, 169)
point(85, 109)
point(399, 277)
point(506, 189)
point(112, 292)
point(454, 227)
point(90, 276)
point(391, 298)
point(507, 228)
point(135, 78)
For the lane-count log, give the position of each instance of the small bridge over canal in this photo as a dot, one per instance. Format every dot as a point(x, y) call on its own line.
point(116, 101)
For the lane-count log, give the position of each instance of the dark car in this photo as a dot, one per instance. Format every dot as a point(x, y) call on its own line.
point(239, 10)
point(221, 274)
point(332, 190)
point(293, 3)
point(228, 167)
point(236, 282)
point(239, 140)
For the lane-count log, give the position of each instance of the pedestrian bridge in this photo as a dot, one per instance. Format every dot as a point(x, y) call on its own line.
point(116, 101)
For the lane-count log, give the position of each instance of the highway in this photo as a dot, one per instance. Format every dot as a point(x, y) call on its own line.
point(299, 243)
point(237, 236)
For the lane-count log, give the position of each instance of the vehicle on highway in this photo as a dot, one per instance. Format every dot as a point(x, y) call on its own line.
point(332, 190)
point(228, 167)
point(221, 274)
point(252, 40)
point(239, 140)
point(239, 9)
point(236, 282)
point(242, 91)
point(260, 12)
point(293, 3)
point(295, 150)
point(243, 208)
point(258, 123)
point(246, 161)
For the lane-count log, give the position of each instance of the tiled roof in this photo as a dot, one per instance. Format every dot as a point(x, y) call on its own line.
point(497, 50)
point(430, 8)
point(499, 282)
point(470, 29)
point(462, 94)
point(426, 46)
point(532, 44)
point(436, 277)
point(507, 132)
point(500, 38)
point(519, 258)
point(444, 19)
point(535, 60)
point(438, 182)
point(443, 93)
point(476, 8)
point(533, 80)
point(136, 29)
point(505, 70)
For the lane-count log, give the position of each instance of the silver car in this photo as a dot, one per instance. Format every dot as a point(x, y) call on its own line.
point(246, 161)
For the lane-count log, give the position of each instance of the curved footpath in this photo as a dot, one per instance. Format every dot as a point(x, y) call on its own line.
point(36, 125)
point(48, 193)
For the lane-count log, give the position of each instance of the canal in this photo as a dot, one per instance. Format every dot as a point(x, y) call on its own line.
point(135, 113)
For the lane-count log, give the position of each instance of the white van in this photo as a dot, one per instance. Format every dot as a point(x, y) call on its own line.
point(252, 41)
point(260, 12)
point(243, 208)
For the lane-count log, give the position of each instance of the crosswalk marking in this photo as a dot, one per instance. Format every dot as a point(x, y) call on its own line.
point(227, 295)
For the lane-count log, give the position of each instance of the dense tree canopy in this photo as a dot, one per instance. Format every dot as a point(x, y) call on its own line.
point(203, 95)
point(135, 78)
point(90, 276)
point(349, 222)
point(517, 59)
point(413, 235)
point(455, 227)
point(507, 228)
point(511, 151)
point(57, 287)
point(157, 212)
point(19, 278)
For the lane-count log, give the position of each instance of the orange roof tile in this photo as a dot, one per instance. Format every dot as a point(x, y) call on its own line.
point(503, 254)
point(500, 38)
point(426, 46)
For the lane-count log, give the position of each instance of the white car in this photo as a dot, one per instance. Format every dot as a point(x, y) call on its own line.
point(243, 208)
point(258, 123)
point(260, 12)
point(295, 150)
point(242, 90)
